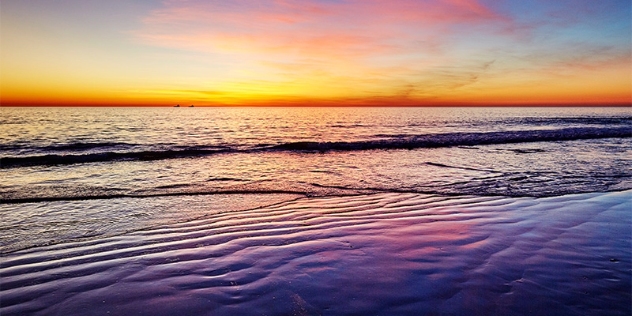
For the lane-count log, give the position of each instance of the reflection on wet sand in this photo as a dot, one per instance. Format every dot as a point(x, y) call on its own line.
point(382, 254)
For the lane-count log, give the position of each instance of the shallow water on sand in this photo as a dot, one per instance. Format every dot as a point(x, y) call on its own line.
point(378, 254)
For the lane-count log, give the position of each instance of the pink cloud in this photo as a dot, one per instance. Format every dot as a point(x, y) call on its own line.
point(379, 46)
point(353, 29)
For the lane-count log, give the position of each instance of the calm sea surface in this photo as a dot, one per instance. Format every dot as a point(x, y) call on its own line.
point(69, 173)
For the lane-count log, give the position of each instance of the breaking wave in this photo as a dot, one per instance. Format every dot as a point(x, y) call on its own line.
point(382, 142)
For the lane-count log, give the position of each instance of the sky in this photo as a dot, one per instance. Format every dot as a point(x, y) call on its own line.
point(316, 53)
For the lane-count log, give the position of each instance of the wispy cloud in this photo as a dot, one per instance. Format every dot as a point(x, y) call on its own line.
point(402, 48)
point(353, 29)
point(323, 40)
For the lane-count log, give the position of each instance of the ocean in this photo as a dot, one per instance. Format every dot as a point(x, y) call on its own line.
point(316, 211)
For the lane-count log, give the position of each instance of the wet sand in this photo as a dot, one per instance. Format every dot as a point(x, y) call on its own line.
point(382, 254)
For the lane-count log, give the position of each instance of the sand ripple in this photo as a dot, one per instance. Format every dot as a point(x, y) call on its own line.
point(383, 254)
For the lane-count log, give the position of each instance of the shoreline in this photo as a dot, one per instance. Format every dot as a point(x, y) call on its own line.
point(278, 197)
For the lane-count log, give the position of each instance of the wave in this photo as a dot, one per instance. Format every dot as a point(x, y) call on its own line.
point(81, 146)
point(460, 139)
point(606, 121)
point(551, 122)
point(396, 142)
point(109, 196)
point(441, 165)
point(55, 159)
point(77, 146)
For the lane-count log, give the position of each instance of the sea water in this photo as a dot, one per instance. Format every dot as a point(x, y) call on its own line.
point(115, 187)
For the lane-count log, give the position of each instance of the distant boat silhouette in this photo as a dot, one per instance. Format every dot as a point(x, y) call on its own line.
point(191, 105)
point(176, 106)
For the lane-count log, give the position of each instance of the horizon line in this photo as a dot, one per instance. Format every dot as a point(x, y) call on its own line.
point(318, 105)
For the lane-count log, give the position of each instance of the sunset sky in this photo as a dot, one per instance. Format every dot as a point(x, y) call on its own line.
point(309, 52)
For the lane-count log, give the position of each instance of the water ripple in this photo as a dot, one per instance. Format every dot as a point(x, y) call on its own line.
point(390, 253)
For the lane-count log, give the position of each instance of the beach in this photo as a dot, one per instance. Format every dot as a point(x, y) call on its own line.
point(316, 211)
point(379, 254)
